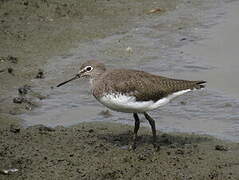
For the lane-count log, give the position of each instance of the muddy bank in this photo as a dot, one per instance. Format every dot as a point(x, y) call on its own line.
point(32, 32)
point(100, 151)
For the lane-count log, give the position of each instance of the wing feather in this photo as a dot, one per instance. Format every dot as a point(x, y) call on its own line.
point(145, 86)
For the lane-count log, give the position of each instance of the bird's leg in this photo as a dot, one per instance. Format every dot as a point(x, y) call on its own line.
point(136, 128)
point(136, 125)
point(152, 124)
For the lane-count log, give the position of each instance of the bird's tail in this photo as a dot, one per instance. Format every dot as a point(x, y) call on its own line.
point(200, 84)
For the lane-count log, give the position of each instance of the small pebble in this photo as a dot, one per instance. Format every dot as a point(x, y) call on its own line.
point(179, 151)
point(12, 59)
point(126, 147)
point(23, 90)
point(14, 129)
point(142, 157)
point(183, 39)
point(221, 148)
point(129, 50)
point(10, 70)
point(26, 3)
point(18, 100)
point(45, 128)
point(91, 131)
point(8, 171)
point(2, 59)
point(157, 10)
point(40, 74)
point(183, 102)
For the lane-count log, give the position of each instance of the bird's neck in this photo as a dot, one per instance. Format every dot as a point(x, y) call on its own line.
point(94, 79)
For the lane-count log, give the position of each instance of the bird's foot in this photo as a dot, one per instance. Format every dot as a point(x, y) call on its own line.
point(132, 147)
point(134, 144)
point(156, 147)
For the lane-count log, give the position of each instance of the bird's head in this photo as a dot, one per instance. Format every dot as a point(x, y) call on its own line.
point(91, 68)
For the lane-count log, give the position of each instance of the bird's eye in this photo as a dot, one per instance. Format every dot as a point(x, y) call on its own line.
point(89, 68)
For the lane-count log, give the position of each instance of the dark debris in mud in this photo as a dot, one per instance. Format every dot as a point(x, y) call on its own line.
point(221, 148)
point(27, 99)
point(40, 74)
point(22, 91)
point(11, 59)
point(10, 70)
point(18, 100)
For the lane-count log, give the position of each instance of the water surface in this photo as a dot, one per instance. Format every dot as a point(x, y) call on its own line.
point(188, 42)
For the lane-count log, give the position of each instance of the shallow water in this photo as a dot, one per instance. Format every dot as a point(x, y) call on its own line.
point(179, 44)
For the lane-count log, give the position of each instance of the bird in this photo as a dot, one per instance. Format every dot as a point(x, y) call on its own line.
point(132, 91)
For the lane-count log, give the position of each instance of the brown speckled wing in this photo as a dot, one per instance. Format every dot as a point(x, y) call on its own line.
point(144, 86)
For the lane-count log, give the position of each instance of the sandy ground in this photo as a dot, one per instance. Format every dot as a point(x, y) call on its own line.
point(100, 151)
point(33, 31)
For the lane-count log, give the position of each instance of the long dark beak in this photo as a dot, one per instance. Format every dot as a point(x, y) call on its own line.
point(76, 77)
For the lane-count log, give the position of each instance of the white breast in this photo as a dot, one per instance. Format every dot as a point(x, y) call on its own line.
point(124, 103)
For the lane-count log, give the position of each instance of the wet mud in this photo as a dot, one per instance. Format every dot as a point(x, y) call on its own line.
point(101, 151)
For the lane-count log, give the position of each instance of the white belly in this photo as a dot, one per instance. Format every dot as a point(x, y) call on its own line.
point(124, 103)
